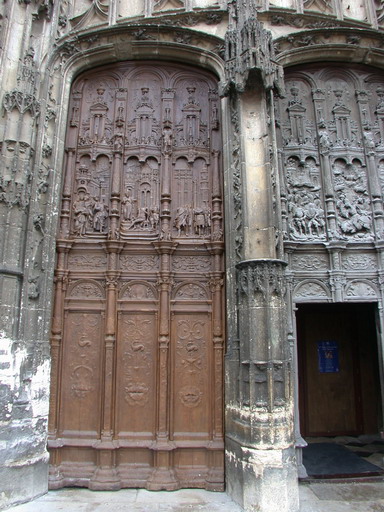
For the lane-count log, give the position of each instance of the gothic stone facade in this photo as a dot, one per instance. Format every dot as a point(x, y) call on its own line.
point(158, 158)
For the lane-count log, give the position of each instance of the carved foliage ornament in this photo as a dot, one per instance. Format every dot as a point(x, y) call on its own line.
point(262, 278)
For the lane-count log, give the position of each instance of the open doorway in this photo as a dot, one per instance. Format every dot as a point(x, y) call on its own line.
point(339, 383)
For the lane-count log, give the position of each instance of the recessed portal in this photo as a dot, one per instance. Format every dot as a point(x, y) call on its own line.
point(339, 383)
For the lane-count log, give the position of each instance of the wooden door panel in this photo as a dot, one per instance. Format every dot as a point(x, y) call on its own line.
point(137, 331)
point(136, 375)
point(331, 398)
point(192, 386)
point(81, 370)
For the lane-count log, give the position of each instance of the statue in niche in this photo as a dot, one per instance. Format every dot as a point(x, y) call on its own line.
point(167, 139)
point(307, 217)
point(154, 217)
point(355, 216)
point(141, 220)
point(381, 174)
point(324, 140)
point(202, 220)
point(90, 214)
point(191, 221)
point(199, 221)
point(140, 210)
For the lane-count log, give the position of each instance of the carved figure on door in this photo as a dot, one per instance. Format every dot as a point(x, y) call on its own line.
point(82, 208)
point(127, 202)
point(182, 220)
point(100, 216)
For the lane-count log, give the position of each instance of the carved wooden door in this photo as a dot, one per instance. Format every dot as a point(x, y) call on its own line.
point(137, 336)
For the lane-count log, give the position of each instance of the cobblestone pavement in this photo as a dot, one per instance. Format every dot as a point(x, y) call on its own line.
point(314, 497)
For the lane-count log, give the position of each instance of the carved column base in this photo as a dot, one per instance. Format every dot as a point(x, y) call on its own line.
point(163, 479)
point(215, 480)
point(105, 479)
point(55, 478)
point(263, 480)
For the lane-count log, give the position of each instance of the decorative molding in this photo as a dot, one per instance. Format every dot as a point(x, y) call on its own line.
point(309, 262)
point(338, 36)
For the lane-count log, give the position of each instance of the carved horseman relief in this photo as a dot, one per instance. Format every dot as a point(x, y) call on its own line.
point(331, 161)
point(139, 291)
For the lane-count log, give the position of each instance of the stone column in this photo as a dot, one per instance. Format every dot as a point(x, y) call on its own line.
point(261, 464)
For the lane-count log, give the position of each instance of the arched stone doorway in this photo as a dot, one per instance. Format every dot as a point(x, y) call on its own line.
point(138, 331)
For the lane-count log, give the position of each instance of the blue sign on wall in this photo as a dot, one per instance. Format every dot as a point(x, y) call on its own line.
point(328, 356)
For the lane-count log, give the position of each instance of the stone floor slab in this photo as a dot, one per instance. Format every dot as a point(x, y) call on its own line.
point(314, 497)
point(368, 491)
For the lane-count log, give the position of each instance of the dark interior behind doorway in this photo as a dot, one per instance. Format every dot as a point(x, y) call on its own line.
point(339, 383)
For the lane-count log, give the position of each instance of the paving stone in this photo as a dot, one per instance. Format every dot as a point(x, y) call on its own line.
point(348, 492)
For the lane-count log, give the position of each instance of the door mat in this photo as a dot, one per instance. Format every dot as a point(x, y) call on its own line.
point(330, 460)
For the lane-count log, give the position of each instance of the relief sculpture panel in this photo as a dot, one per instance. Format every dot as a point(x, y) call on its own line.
point(331, 159)
point(138, 319)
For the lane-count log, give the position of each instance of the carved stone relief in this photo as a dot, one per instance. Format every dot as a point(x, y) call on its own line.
point(323, 6)
point(361, 290)
point(331, 157)
point(309, 262)
point(360, 262)
point(311, 290)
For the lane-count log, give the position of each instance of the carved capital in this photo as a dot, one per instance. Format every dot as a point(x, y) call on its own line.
point(262, 278)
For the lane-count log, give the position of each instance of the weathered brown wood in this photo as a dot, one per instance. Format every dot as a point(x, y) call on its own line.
point(138, 331)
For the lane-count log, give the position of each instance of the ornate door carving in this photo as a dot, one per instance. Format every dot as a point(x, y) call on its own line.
point(137, 333)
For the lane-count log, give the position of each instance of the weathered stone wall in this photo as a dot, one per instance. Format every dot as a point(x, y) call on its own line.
point(44, 45)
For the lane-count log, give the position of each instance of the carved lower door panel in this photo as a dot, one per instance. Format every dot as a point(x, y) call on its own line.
point(137, 330)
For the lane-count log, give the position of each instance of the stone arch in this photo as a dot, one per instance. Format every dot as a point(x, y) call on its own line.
point(361, 289)
point(311, 290)
point(313, 47)
point(138, 290)
point(86, 288)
